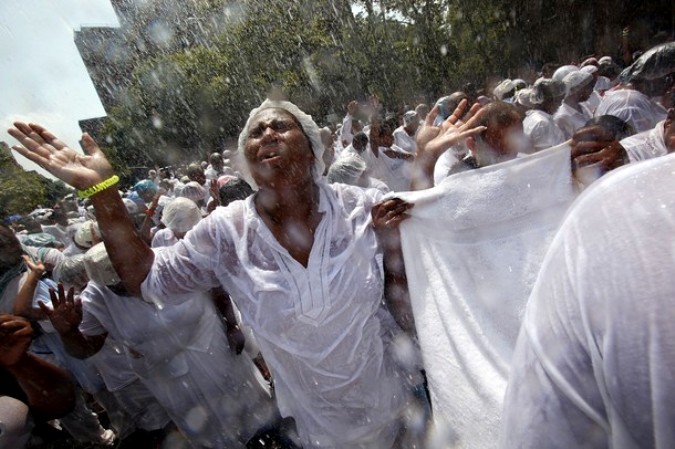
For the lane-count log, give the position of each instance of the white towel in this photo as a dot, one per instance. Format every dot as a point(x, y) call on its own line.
point(472, 249)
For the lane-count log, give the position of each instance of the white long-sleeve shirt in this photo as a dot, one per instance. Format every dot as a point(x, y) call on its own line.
point(318, 327)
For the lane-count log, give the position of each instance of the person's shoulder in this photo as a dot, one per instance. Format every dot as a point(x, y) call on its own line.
point(637, 185)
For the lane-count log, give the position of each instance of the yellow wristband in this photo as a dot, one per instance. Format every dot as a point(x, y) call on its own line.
point(98, 187)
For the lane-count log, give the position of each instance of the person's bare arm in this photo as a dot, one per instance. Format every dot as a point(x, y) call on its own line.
point(387, 216)
point(146, 227)
point(223, 303)
point(23, 303)
point(433, 141)
point(130, 254)
point(49, 389)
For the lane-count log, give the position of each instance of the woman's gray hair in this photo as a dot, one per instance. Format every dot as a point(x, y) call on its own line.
point(309, 127)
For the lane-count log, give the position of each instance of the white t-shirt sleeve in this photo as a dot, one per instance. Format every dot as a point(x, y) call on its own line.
point(91, 325)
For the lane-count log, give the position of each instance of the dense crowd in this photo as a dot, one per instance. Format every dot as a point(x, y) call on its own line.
point(492, 270)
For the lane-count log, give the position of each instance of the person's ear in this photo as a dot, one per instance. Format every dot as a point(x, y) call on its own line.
point(471, 143)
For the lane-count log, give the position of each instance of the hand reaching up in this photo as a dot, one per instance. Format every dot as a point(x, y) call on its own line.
point(45, 149)
point(66, 314)
point(434, 140)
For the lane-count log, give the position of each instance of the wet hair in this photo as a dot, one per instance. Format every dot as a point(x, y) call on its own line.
point(234, 190)
point(618, 128)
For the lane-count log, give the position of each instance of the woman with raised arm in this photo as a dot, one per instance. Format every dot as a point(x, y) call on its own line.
point(300, 259)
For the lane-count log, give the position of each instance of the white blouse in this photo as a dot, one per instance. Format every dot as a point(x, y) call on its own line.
point(318, 326)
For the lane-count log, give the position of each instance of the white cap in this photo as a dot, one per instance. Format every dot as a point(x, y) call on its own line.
point(99, 267)
point(576, 80)
point(563, 71)
point(503, 89)
point(193, 191)
point(85, 234)
point(181, 215)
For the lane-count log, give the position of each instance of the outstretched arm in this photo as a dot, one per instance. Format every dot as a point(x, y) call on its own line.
point(130, 255)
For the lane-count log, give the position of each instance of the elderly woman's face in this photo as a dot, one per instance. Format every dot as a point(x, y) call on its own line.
point(277, 150)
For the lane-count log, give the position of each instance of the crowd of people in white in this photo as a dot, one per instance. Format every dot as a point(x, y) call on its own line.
point(491, 271)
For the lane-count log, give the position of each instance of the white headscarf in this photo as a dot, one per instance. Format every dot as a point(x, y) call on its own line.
point(181, 215)
point(99, 267)
point(306, 122)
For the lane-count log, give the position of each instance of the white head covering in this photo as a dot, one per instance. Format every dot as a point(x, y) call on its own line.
point(589, 69)
point(522, 97)
point(308, 126)
point(503, 89)
point(544, 87)
point(576, 80)
point(99, 267)
point(563, 71)
point(605, 60)
point(347, 170)
point(181, 215)
point(193, 191)
point(409, 117)
point(132, 208)
point(71, 271)
point(84, 237)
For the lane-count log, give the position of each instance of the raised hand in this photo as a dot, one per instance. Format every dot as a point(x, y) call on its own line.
point(434, 140)
point(15, 338)
point(46, 150)
point(66, 315)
